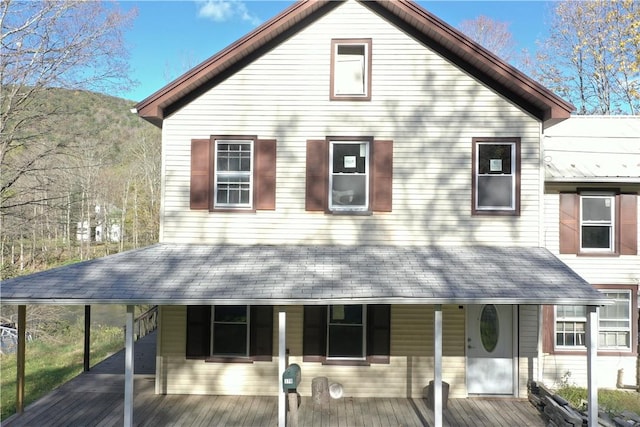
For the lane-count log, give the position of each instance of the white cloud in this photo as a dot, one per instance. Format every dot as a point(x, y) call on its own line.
point(226, 10)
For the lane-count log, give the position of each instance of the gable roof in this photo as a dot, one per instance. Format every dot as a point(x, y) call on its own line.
point(407, 15)
point(594, 149)
point(171, 274)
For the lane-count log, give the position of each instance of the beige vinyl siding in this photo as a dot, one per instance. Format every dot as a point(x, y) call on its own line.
point(607, 270)
point(428, 107)
point(409, 371)
point(572, 370)
point(528, 347)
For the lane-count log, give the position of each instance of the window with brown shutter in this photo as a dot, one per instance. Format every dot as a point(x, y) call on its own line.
point(349, 175)
point(598, 223)
point(337, 333)
point(230, 333)
point(235, 173)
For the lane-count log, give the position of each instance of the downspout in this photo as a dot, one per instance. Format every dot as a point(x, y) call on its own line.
point(541, 243)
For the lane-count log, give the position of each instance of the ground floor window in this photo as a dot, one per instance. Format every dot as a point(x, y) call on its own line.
point(614, 326)
point(350, 332)
point(229, 332)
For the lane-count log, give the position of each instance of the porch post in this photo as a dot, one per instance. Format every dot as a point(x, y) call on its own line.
point(128, 368)
point(87, 337)
point(592, 356)
point(22, 327)
point(282, 350)
point(437, 366)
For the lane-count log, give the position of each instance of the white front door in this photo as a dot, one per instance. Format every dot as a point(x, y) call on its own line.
point(489, 349)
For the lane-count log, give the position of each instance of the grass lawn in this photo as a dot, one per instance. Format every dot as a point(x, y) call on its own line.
point(611, 401)
point(53, 362)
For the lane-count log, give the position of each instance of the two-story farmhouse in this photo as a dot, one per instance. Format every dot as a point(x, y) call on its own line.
point(374, 174)
point(591, 214)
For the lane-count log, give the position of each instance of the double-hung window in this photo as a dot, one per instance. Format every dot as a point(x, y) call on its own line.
point(230, 331)
point(346, 327)
point(350, 333)
point(571, 323)
point(351, 69)
point(495, 178)
point(614, 324)
point(615, 321)
point(234, 171)
point(349, 175)
point(597, 223)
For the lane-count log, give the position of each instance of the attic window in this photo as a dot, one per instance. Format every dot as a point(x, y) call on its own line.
point(351, 69)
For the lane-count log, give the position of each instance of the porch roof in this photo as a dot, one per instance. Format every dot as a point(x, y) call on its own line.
point(175, 274)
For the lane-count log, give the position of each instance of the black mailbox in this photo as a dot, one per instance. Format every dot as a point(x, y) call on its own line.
point(291, 377)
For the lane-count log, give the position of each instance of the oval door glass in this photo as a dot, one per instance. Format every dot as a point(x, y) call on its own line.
point(489, 327)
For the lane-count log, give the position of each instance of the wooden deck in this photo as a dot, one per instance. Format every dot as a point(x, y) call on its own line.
point(97, 400)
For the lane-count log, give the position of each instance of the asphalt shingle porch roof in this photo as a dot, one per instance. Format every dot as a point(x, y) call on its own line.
point(293, 274)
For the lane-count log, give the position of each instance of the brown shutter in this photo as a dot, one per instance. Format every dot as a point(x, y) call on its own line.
point(201, 165)
point(548, 320)
point(265, 174)
point(317, 175)
point(314, 337)
point(198, 331)
point(379, 333)
point(628, 224)
point(569, 223)
point(382, 176)
point(261, 334)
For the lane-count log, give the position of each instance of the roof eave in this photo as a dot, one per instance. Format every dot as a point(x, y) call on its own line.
point(478, 61)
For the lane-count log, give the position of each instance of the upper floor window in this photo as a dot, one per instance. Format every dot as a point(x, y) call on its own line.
point(496, 176)
point(351, 69)
point(235, 173)
point(349, 175)
point(597, 223)
point(234, 170)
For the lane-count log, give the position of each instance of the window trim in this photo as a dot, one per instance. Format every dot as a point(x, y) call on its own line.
point(247, 324)
point(612, 224)
point(549, 330)
point(217, 174)
point(335, 43)
point(362, 325)
point(350, 209)
point(476, 142)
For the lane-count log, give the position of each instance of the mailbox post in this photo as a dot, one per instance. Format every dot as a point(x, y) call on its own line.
point(290, 380)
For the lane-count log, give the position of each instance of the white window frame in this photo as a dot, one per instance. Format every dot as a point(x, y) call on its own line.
point(603, 330)
point(362, 325)
point(611, 223)
point(363, 62)
point(213, 328)
point(512, 175)
point(569, 319)
point(367, 175)
point(219, 174)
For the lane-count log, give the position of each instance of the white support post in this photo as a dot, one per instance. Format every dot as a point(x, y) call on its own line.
point(282, 355)
point(592, 356)
point(128, 368)
point(437, 366)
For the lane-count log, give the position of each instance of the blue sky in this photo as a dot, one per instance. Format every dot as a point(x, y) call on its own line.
point(169, 37)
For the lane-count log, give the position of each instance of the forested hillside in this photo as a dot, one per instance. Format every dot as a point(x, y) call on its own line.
point(83, 180)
